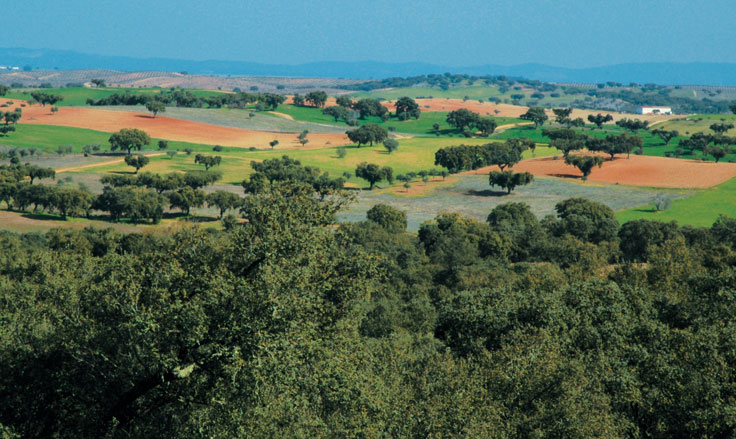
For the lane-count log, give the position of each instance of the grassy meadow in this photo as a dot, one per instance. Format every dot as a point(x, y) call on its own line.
point(700, 209)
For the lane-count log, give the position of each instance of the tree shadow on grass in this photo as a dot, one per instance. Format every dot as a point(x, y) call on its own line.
point(41, 216)
point(578, 177)
point(486, 193)
point(642, 210)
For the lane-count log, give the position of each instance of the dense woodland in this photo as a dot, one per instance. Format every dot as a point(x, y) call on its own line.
point(286, 326)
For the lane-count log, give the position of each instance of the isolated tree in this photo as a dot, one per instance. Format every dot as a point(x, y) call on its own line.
point(137, 161)
point(223, 200)
point(633, 125)
point(4, 89)
point(721, 128)
point(391, 145)
point(584, 163)
point(98, 82)
point(273, 143)
point(536, 115)
point(562, 115)
point(207, 161)
point(373, 173)
point(503, 155)
point(367, 134)
point(665, 135)
point(302, 137)
point(406, 108)
point(163, 144)
point(129, 139)
point(462, 118)
point(155, 107)
point(317, 98)
point(509, 180)
point(486, 126)
point(599, 119)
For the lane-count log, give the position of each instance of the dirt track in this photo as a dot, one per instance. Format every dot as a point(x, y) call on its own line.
point(169, 128)
point(636, 171)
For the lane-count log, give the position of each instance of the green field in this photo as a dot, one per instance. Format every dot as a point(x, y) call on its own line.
point(77, 96)
point(701, 209)
point(48, 137)
point(423, 125)
point(413, 155)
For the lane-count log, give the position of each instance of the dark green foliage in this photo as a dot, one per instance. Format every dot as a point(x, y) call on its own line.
point(665, 135)
point(223, 200)
point(584, 163)
point(639, 238)
point(316, 98)
point(584, 219)
point(599, 119)
point(155, 107)
point(338, 112)
point(721, 128)
point(186, 198)
point(467, 157)
point(391, 145)
point(407, 108)
point(633, 125)
point(137, 161)
point(137, 204)
point(279, 170)
point(207, 161)
point(565, 139)
point(367, 134)
point(129, 139)
point(486, 126)
point(44, 98)
point(509, 180)
point(392, 220)
point(462, 118)
point(536, 115)
point(286, 326)
point(370, 107)
point(373, 173)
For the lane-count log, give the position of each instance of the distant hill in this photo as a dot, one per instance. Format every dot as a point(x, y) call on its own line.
point(658, 73)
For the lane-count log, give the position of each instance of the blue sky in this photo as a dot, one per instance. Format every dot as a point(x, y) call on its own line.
point(569, 33)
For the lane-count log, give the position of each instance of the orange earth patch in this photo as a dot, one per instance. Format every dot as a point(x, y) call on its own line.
point(635, 171)
point(172, 129)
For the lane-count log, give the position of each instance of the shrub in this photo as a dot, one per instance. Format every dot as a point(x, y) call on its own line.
point(661, 202)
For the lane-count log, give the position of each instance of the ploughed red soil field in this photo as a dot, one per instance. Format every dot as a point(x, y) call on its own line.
point(635, 171)
point(169, 128)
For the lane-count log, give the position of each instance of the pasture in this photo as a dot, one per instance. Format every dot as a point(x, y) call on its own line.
point(701, 209)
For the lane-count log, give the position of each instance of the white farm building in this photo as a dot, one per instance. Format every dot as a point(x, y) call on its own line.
point(648, 109)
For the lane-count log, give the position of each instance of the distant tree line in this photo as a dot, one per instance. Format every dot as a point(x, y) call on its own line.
point(183, 98)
